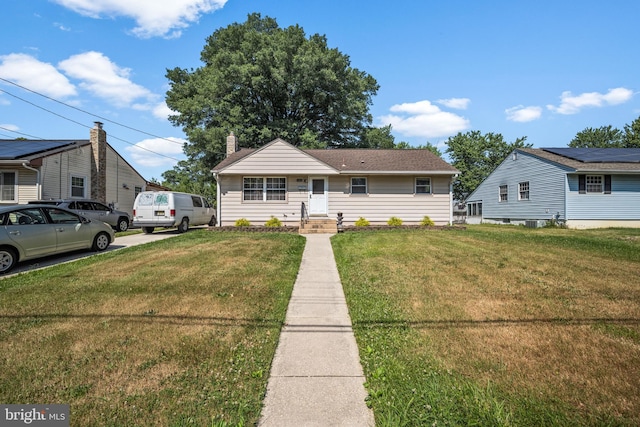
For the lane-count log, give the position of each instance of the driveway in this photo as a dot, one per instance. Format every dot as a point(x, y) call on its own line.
point(119, 243)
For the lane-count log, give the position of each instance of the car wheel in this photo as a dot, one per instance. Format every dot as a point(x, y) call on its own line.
point(123, 224)
point(213, 221)
point(184, 225)
point(147, 230)
point(8, 259)
point(101, 242)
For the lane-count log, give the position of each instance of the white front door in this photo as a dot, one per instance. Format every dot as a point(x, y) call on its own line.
point(317, 196)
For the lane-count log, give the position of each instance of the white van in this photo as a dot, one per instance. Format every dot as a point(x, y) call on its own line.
point(168, 209)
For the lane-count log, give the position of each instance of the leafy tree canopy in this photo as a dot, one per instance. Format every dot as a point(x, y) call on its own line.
point(608, 137)
point(262, 82)
point(602, 137)
point(476, 156)
point(631, 137)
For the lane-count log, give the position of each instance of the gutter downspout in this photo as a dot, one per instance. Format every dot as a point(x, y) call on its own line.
point(218, 207)
point(451, 199)
point(38, 186)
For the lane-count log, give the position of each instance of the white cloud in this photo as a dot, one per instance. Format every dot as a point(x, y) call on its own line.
point(104, 78)
point(9, 127)
point(145, 153)
point(570, 104)
point(29, 72)
point(61, 27)
point(161, 111)
point(456, 103)
point(521, 113)
point(154, 18)
point(423, 119)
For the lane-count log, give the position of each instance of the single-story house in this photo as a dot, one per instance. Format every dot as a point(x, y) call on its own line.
point(292, 184)
point(57, 169)
point(580, 187)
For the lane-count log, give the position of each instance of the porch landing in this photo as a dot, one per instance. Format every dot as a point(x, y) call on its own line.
point(318, 225)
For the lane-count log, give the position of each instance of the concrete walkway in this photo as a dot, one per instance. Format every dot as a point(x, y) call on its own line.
point(316, 377)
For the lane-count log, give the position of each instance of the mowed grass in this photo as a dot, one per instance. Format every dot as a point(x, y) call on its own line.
point(496, 325)
point(177, 332)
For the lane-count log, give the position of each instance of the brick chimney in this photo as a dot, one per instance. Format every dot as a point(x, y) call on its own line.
point(98, 139)
point(232, 144)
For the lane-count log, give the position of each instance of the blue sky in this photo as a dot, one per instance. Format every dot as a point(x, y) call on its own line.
point(541, 69)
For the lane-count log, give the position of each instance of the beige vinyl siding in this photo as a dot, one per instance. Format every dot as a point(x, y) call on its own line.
point(279, 157)
point(27, 188)
point(258, 212)
point(25, 185)
point(390, 196)
point(120, 173)
point(57, 170)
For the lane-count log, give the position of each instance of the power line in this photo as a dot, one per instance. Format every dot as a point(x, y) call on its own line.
point(81, 110)
point(84, 125)
point(19, 133)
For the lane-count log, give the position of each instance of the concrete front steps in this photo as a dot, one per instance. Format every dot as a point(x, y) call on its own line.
point(318, 225)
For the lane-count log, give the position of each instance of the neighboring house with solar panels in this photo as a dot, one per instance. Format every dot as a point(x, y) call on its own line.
point(581, 187)
point(62, 169)
point(298, 185)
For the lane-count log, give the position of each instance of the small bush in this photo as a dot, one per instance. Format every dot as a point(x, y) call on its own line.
point(243, 222)
point(361, 222)
point(427, 222)
point(394, 221)
point(273, 222)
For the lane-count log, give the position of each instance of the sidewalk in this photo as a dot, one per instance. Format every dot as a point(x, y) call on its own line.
point(316, 378)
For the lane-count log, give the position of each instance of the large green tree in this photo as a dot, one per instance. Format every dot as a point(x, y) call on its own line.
point(262, 82)
point(631, 136)
point(608, 137)
point(602, 137)
point(476, 155)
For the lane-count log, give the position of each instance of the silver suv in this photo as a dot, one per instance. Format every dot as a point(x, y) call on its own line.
point(92, 209)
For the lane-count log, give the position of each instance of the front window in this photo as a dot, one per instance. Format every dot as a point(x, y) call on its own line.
point(77, 186)
point(276, 189)
point(264, 189)
point(7, 186)
point(358, 185)
point(423, 185)
point(594, 183)
point(503, 193)
point(523, 190)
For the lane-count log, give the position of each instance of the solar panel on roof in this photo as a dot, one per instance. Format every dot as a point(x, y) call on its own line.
point(598, 155)
point(11, 149)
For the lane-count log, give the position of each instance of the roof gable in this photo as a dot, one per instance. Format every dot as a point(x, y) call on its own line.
point(274, 158)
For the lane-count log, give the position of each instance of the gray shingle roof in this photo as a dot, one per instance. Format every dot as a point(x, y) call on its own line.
point(381, 161)
point(367, 160)
point(579, 166)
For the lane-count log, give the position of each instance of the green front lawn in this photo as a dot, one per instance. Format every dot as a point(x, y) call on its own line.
point(177, 332)
point(496, 326)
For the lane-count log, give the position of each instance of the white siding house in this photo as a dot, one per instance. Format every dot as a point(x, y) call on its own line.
point(278, 179)
point(583, 188)
point(58, 169)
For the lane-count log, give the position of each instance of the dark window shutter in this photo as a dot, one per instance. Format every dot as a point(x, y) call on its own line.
point(582, 184)
point(607, 184)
